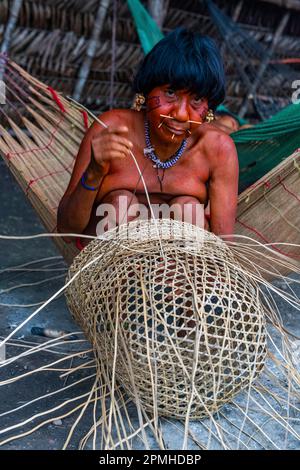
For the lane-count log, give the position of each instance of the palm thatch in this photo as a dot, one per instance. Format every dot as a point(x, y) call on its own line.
point(51, 41)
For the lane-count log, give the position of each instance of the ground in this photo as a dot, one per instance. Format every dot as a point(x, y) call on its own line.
point(18, 218)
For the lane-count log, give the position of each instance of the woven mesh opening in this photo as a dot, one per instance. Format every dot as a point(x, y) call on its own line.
point(184, 320)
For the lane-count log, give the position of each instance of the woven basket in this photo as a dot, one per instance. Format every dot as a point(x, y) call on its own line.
point(168, 301)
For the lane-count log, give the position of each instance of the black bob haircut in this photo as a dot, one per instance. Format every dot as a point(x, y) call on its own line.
point(185, 60)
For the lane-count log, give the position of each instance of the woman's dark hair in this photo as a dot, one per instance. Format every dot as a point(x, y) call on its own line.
point(185, 60)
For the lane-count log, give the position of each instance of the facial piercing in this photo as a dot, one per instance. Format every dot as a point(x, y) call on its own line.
point(195, 122)
point(164, 116)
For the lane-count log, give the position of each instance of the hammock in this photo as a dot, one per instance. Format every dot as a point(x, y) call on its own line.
point(147, 29)
point(40, 135)
point(267, 144)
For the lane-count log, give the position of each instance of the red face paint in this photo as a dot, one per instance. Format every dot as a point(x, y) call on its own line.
point(153, 102)
point(181, 106)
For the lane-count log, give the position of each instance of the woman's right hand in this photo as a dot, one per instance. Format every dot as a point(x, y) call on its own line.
point(112, 143)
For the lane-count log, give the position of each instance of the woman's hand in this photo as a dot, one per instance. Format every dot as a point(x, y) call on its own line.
point(111, 144)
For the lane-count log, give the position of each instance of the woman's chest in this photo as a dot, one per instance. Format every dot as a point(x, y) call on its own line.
point(187, 176)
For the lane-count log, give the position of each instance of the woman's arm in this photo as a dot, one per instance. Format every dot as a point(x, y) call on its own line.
point(223, 188)
point(75, 207)
point(98, 149)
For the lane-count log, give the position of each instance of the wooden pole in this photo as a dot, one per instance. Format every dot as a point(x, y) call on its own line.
point(11, 24)
point(288, 4)
point(13, 17)
point(264, 64)
point(113, 55)
point(91, 49)
point(158, 10)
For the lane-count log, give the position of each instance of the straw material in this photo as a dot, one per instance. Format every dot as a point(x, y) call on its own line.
point(269, 211)
point(185, 319)
point(39, 144)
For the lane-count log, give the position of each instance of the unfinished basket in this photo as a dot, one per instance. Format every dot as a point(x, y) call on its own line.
point(168, 302)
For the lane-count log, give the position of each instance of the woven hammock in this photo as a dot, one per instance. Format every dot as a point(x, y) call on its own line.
point(267, 144)
point(40, 135)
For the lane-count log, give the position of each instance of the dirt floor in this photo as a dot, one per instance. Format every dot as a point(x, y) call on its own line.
point(18, 218)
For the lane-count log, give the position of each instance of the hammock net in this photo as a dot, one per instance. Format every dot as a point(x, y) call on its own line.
point(265, 145)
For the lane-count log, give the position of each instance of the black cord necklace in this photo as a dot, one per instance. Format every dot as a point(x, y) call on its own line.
point(158, 164)
point(160, 178)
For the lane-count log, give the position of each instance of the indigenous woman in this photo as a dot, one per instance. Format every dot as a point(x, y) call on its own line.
point(184, 160)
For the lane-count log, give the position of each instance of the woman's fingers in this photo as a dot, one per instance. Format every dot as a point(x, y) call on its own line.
point(111, 143)
point(110, 150)
point(120, 134)
point(120, 140)
point(114, 154)
point(109, 140)
point(117, 130)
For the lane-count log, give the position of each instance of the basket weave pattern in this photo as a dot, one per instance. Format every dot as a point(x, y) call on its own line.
point(171, 302)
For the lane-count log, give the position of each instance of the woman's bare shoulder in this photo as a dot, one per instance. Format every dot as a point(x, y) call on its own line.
point(211, 137)
point(112, 118)
point(118, 117)
point(216, 145)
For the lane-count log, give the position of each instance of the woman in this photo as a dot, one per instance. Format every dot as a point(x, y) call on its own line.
point(184, 159)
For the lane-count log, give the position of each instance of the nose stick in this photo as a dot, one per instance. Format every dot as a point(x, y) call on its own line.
point(195, 122)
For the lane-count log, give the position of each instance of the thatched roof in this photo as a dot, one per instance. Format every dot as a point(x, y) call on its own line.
point(51, 38)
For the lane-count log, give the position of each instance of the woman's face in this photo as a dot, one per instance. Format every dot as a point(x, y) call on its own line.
point(182, 107)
